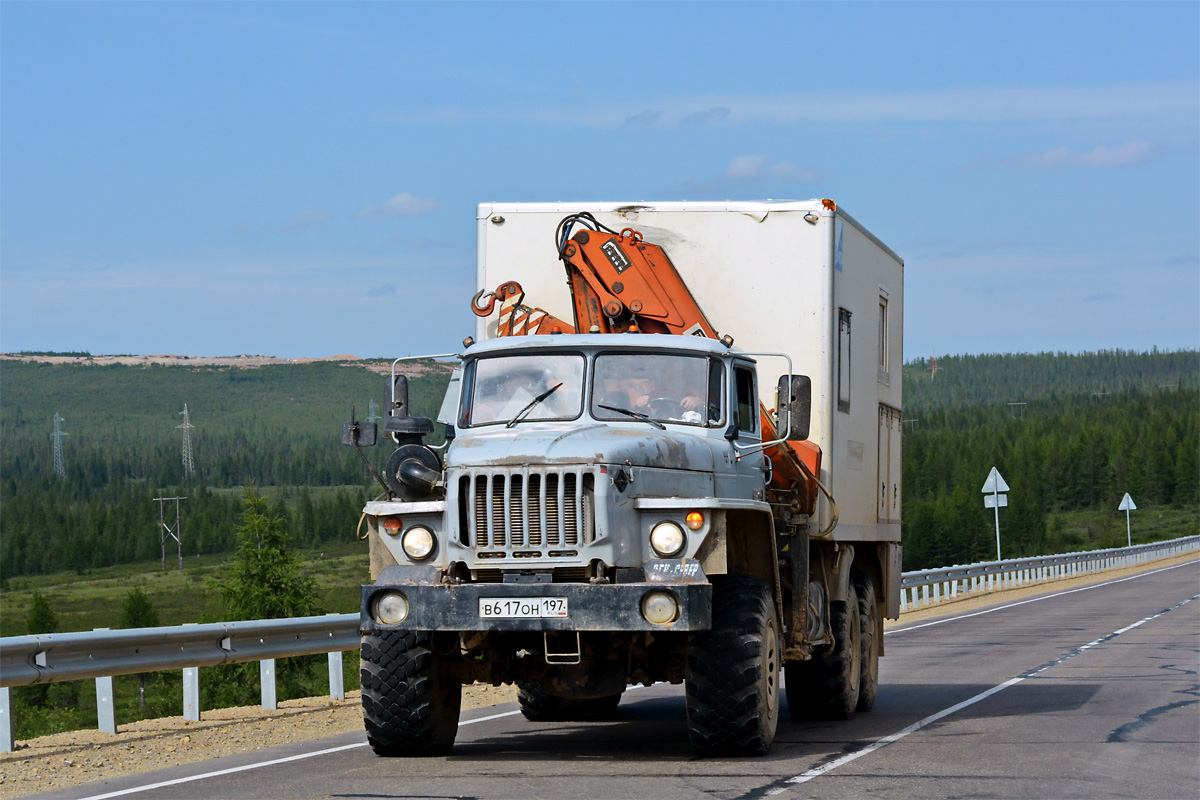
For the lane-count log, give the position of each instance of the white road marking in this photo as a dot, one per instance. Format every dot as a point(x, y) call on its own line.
point(816, 772)
point(802, 778)
point(271, 763)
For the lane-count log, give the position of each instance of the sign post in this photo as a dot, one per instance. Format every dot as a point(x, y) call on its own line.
point(993, 498)
point(1127, 505)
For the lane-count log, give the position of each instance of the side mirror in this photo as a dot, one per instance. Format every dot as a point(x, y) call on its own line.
point(795, 405)
point(359, 434)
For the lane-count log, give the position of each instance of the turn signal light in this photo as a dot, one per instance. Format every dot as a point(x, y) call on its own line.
point(694, 520)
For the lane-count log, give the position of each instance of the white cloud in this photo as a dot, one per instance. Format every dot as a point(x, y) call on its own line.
point(962, 104)
point(306, 219)
point(745, 167)
point(383, 290)
point(1124, 155)
point(401, 205)
point(756, 166)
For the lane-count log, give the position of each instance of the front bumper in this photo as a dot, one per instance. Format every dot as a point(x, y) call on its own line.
point(590, 607)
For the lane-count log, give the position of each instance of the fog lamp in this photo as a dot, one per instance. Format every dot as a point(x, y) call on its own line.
point(660, 608)
point(391, 608)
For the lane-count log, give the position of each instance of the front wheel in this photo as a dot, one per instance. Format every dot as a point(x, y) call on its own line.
point(411, 698)
point(733, 671)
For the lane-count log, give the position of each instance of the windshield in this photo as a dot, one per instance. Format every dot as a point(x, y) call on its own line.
point(661, 388)
point(497, 390)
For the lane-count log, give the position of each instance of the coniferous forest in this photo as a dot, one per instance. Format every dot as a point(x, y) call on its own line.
point(1070, 433)
point(276, 427)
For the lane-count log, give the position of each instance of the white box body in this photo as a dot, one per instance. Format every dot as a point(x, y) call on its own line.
point(778, 276)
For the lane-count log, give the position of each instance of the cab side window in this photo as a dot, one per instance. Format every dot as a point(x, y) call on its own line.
point(747, 405)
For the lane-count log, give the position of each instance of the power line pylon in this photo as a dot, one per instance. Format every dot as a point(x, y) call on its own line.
point(933, 366)
point(59, 467)
point(373, 413)
point(189, 466)
point(165, 530)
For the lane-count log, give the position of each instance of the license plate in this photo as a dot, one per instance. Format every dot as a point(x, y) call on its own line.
point(522, 607)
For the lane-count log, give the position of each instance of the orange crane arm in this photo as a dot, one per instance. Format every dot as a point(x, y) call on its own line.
point(621, 283)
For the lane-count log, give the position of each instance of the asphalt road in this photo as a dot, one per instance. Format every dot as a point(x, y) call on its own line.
point(1087, 693)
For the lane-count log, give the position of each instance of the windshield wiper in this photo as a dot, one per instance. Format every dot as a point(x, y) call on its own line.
point(520, 415)
point(634, 414)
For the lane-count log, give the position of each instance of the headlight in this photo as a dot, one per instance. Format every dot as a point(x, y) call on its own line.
point(417, 542)
point(391, 608)
point(667, 539)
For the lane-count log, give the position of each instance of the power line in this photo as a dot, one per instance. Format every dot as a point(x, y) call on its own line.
point(59, 467)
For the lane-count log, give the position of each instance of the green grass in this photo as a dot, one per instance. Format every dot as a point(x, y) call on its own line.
point(92, 598)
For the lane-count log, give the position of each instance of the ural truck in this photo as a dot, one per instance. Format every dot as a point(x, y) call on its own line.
point(682, 465)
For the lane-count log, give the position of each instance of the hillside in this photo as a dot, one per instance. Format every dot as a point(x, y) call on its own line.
point(1092, 427)
point(1071, 434)
point(276, 425)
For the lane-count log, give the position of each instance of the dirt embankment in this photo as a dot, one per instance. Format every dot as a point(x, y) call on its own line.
point(412, 369)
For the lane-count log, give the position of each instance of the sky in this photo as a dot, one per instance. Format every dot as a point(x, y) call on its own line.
point(300, 179)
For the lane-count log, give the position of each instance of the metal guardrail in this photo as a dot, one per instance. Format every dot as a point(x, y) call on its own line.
point(56, 657)
point(944, 583)
point(103, 654)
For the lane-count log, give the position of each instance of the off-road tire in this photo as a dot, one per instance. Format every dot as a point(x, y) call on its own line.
point(733, 671)
point(827, 685)
point(537, 706)
point(868, 616)
point(411, 699)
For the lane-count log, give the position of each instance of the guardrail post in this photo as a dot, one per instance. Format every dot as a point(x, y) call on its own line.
point(106, 712)
point(6, 720)
point(337, 684)
point(266, 677)
point(191, 693)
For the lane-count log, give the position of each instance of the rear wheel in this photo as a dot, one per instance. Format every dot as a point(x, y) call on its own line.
point(827, 686)
point(733, 671)
point(868, 615)
point(411, 699)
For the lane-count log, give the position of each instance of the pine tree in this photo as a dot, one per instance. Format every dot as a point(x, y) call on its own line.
point(40, 617)
point(139, 612)
point(264, 579)
point(264, 582)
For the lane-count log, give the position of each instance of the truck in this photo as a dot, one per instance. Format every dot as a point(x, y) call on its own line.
point(682, 465)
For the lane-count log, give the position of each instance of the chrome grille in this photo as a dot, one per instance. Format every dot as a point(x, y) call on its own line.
point(527, 513)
